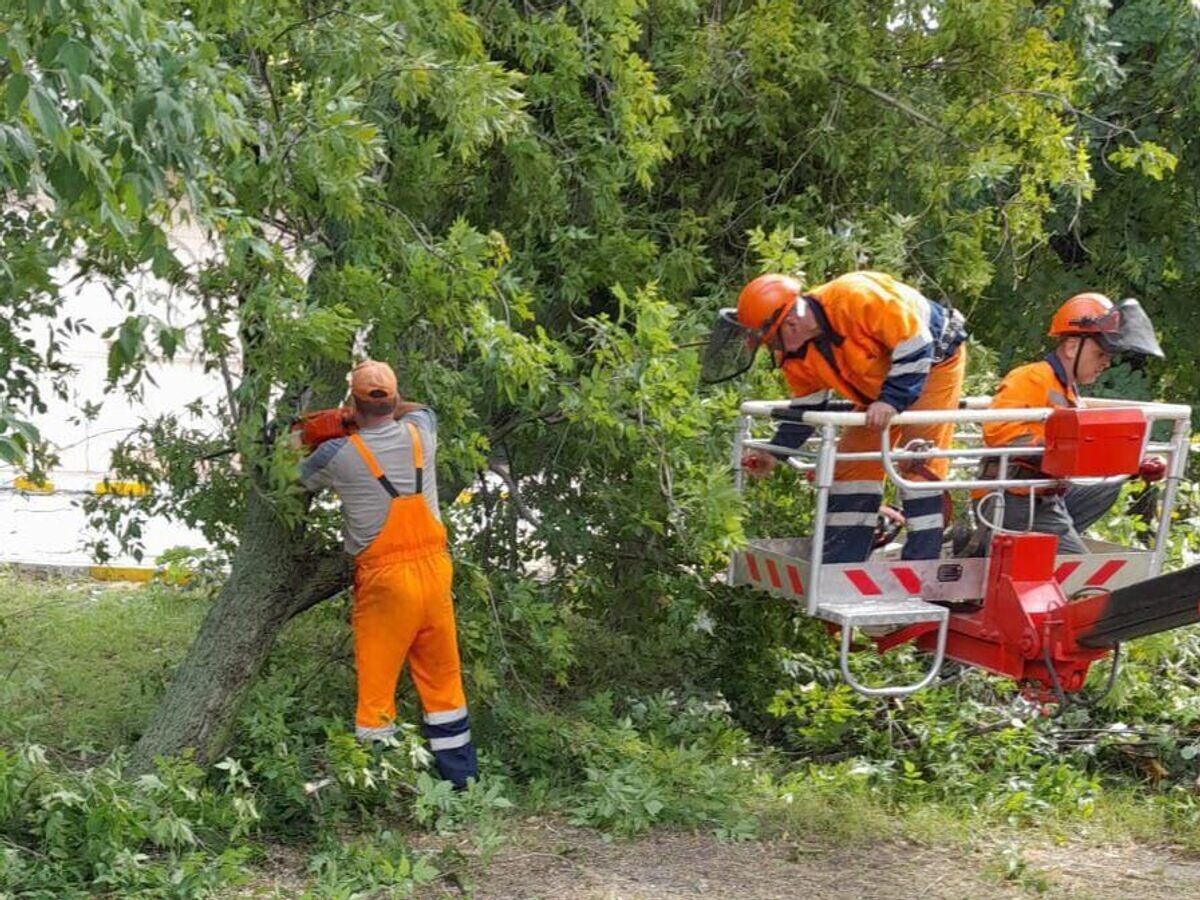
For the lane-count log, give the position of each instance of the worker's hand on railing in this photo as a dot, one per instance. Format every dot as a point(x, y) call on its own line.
point(1152, 469)
point(879, 414)
point(758, 463)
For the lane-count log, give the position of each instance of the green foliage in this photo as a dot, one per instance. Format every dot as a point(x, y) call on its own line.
point(533, 211)
point(375, 864)
point(70, 831)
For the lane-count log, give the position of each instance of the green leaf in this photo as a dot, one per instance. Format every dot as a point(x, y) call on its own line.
point(162, 261)
point(46, 114)
point(74, 57)
point(68, 182)
point(16, 87)
point(116, 362)
point(28, 432)
point(169, 340)
point(10, 451)
point(130, 201)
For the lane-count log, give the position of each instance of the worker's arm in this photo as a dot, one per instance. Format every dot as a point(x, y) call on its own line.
point(314, 468)
point(407, 407)
point(421, 416)
point(807, 394)
point(1022, 388)
point(906, 333)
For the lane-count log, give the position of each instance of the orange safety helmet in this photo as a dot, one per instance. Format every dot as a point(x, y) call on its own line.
point(763, 303)
point(1088, 313)
point(1123, 329)
point(738, 333)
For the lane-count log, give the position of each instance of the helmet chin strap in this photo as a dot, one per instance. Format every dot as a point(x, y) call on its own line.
point(1083, 338)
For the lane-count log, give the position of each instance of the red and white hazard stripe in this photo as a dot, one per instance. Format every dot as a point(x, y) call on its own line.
point(766, 572)
point(907, 578)
point(1083, 573)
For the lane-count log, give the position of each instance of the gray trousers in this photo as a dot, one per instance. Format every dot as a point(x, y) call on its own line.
point(1065, 515)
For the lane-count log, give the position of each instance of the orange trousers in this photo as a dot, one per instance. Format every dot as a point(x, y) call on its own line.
point(403, 610)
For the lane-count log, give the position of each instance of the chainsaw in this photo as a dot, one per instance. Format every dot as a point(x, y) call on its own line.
point(315, 428)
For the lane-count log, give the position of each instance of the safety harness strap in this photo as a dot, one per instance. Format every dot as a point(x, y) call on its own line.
point(373, 464)
point(418, 457)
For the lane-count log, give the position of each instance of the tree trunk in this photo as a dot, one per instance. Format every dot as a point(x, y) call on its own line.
point(273, 577)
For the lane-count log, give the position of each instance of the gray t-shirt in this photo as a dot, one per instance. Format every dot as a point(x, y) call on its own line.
point(365, 503)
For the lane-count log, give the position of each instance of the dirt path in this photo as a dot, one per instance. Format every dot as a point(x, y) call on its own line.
point(546, 860)
point(553, 861)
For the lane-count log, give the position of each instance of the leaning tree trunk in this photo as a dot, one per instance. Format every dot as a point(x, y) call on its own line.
point(273, 577)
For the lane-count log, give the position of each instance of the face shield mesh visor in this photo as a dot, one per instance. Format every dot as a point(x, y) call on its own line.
point(730, 351)
point(1128, 331)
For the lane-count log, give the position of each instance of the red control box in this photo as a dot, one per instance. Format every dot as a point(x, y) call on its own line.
point(1094, 442)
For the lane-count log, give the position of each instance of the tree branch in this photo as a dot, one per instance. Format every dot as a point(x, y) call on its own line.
point(896, 103)
point(326, 574)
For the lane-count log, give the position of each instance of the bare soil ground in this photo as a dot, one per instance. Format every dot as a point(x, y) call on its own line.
point(549, 861)
point(546, 860)
point(553, 861)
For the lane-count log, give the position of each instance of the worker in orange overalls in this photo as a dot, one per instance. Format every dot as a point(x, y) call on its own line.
point(385, 476)
point(1089, 331)
point(875, 341)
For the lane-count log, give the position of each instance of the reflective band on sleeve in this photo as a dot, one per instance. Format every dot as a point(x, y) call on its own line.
point(910, 496)
point(815, 399)
point(920, 365)
point(450, 715)
point(450, 743)
point(918, 341)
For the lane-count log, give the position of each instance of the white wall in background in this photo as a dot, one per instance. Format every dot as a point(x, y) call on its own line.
point(50, 529)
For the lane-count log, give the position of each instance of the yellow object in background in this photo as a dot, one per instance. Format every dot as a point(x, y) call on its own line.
point(123, 488)
point(29, 486)
point(120, 573)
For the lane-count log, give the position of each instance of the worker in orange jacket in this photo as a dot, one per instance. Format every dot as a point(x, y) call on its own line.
point(1090, 330)
point(875, 341)
point(385, 476)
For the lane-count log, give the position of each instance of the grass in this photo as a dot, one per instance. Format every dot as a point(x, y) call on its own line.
point(81, 662)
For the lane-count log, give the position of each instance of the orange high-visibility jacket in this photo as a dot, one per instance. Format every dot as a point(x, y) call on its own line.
point(1033, 386)
point(880, 338)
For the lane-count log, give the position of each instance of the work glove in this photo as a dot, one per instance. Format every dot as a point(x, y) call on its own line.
point(758, 463)
point(1152, 469)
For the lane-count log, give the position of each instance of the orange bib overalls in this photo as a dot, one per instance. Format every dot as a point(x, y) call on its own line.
point(403, 608)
